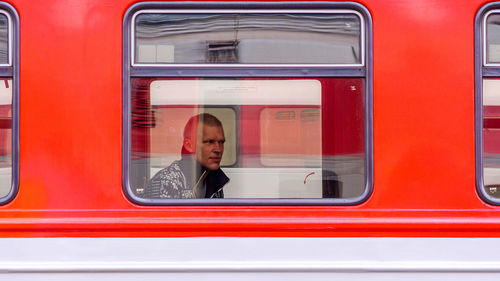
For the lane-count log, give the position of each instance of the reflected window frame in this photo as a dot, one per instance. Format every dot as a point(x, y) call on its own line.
point(362, 36)
point(309, 70)
point(10, 70)
point(9, 37)
point(484, 34)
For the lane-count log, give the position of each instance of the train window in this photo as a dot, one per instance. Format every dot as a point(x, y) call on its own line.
point(9, 98)
point(165, 37)
point(254, 104)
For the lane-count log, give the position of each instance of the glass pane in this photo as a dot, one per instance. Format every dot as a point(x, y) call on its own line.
point(247, 38)
point(493, 38)
point(5, 136)
point(4, 40)
point(491, 136)
point(276, 142)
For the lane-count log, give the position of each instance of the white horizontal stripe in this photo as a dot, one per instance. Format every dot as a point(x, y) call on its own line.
point(236, 92)
point(263, 266)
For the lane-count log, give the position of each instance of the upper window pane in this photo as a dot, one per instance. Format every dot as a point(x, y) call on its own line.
point(4, 39)
point(248, 38)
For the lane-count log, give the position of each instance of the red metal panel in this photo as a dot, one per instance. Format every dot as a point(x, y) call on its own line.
point(70, 130)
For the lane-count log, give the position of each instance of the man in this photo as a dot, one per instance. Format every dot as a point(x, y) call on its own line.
point(198, 173)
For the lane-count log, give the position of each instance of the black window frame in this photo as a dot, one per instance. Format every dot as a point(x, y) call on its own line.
point(11, 71)
point(362, 70)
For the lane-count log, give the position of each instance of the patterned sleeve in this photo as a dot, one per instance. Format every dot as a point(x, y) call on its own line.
point(168, 183)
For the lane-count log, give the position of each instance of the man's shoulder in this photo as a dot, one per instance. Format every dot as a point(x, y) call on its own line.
point(169, 182)
point(172, 170)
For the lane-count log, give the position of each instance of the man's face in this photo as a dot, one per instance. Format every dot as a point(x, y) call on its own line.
point(210, 147)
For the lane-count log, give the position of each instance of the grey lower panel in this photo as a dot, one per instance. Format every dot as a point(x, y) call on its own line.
point(365, 276)
point(249, 258)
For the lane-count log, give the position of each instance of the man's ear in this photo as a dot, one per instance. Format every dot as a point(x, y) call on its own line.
point(188, 145)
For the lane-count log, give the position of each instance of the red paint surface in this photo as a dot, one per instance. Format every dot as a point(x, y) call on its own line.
point(71, 118)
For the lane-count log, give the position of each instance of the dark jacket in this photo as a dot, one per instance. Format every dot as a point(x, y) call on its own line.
point(180, 181)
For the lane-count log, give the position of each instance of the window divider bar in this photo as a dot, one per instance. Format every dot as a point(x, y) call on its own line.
point(6, 72)
point(246, 72)
point(491, 71)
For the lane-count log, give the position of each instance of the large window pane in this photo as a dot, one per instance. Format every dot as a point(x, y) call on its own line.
point(265, 38)
point(5, 136)
point(285, 138)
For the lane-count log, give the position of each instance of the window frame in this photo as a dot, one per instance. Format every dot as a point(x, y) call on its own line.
point(362, 70)
point(11, 70)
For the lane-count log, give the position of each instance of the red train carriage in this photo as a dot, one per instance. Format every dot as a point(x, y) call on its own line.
point(361, 139)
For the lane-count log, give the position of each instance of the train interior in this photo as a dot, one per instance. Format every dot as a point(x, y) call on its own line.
point(285, 138)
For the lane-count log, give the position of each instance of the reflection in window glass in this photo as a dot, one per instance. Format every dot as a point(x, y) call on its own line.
point(166, 135)
point(491, 136)
point(285, 138)
point(4, 40)
point(291, 136)
point(493, 38)
point(5, 136)
point(248, 38)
